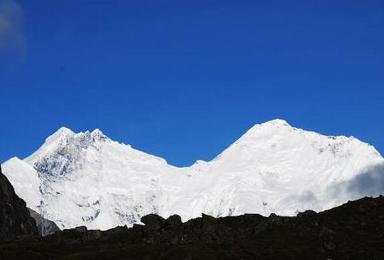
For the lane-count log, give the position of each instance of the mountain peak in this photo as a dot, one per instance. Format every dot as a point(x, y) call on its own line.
point(64, 130)
point(50, 143)
point(60, 133)
point(275, 123)
point(268, 128)
point(97, 131)
point(97, 134)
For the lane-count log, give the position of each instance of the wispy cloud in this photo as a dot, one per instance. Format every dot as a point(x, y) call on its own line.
point(11, 15)
point(369, 182)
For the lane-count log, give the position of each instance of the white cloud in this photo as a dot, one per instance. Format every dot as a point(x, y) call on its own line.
point(11, 36)
point(369, 182)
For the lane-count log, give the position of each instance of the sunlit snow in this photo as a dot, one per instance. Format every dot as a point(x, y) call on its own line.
point(87, 179)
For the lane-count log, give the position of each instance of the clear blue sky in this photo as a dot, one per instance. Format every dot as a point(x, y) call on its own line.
point(184, 79)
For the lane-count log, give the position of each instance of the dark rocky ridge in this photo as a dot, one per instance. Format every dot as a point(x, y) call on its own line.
point(15, 220)
point(352, 231)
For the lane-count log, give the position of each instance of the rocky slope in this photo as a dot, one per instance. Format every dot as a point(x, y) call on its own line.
point(44, 226)
point(352, 231)
point(77, 179)
point(15, 221)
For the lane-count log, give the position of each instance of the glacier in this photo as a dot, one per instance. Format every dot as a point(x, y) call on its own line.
point(87, 179)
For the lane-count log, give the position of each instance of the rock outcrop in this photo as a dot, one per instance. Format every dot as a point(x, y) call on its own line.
point(15, 220)
point(45, 227)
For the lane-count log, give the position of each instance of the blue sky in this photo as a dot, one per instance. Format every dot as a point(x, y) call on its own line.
point(184, 79)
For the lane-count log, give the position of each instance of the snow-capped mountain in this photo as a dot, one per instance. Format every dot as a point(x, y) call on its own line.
point(87, 179)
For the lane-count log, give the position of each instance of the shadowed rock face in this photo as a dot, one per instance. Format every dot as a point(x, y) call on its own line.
point(352, 231)
point(45, 227)
point(15, 221)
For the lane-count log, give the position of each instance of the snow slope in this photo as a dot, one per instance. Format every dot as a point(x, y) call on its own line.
point(87, 179)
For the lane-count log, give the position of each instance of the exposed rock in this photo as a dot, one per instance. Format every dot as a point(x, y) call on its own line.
point(306, 213)
point(174, 220)
point(81, 229)
point(45, 227)
point(153, 222)
point(15, 220)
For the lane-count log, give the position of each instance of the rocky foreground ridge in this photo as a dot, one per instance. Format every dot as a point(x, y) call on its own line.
point(352, 231)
